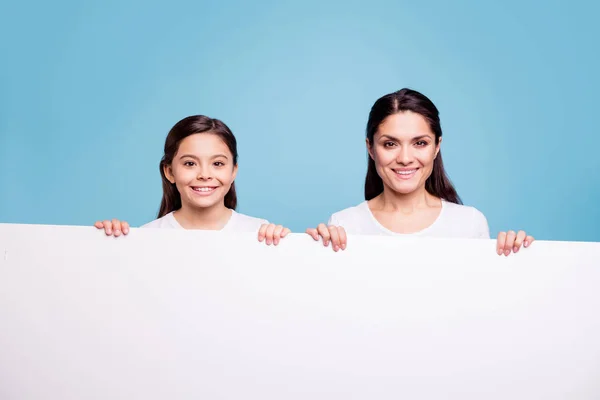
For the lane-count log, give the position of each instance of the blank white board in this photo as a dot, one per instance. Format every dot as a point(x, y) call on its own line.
point(169, 314)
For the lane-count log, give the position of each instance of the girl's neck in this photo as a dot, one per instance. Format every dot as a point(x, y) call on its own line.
point(208, 218)
point(390, 201)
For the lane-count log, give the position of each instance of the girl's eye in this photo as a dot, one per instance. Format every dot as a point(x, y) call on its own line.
point(218, 164)
point(189, 163)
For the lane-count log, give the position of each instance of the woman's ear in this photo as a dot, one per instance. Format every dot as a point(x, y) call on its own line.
point(369, 149)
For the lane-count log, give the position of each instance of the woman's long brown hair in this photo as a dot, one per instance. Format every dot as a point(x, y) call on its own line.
point(438, 183)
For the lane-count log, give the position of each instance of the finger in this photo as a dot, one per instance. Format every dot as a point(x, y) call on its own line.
point(125, 227)
point(262, 231)
point(107, 227)
point(313, 233)
point(99, 224)
point(519, 241)
point(285, 232)
point(335, 237)
point(324, 233)
point(343, 237)
point(269, 234)
point(116, 227)
point(277, 234)
point(528, 241)
point(510, 242)
point(500, 243)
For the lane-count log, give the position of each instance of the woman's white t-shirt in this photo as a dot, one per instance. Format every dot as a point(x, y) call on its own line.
point(454, 221)
point(237, 223)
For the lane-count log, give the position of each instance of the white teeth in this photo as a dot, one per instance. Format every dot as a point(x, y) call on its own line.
point(204, 189)
point(406, 172)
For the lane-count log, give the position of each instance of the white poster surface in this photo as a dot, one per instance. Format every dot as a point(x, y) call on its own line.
point(169, 314)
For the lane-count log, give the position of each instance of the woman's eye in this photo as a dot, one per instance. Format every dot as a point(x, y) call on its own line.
point(389, 144)
point(421, 143)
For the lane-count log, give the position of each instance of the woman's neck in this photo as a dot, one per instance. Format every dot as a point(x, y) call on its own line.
point(207, 218)
point(390, 201)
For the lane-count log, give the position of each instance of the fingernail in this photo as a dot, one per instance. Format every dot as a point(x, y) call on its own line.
point(515, 249)
point(268, 242)
point(126, 231)
point(117, 232)
point(108, 231)
point(335, 248)
point(526, 243)
point(499, 251)
point(343, 247)
point(506, 252)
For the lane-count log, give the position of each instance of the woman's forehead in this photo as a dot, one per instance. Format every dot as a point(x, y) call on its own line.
point(404, 125)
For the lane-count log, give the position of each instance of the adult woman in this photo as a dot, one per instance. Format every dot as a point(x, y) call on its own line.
point(407, 190)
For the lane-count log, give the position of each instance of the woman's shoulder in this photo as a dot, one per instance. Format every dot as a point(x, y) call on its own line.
point(462, 211)
point(350, 214)
point(466, 218)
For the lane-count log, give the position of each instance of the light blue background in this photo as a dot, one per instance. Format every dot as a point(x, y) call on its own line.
point(89, 91)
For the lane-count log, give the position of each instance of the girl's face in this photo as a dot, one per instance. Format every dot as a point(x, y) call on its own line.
point(403, 150)
point(203, 171)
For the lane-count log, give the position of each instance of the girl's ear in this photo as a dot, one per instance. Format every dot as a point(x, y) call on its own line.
point(168, 170)
point(235, 170)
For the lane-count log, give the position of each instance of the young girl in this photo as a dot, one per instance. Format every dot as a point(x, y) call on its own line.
point(198, 171)
point(407, 190)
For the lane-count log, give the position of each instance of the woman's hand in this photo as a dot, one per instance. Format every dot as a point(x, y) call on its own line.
point(335, 234)
point(510, 241)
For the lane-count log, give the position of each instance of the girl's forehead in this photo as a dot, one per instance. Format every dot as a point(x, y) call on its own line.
point(203, 144)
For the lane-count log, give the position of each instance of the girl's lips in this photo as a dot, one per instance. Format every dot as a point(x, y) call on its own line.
point(203, 190)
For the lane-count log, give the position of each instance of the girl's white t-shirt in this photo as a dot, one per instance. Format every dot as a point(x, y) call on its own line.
point(454, 221)
point(237, 223)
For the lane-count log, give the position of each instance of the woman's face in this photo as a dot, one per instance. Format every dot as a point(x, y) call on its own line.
point(403, 150)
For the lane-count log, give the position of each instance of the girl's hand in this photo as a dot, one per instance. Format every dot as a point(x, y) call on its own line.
point(114, 227)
